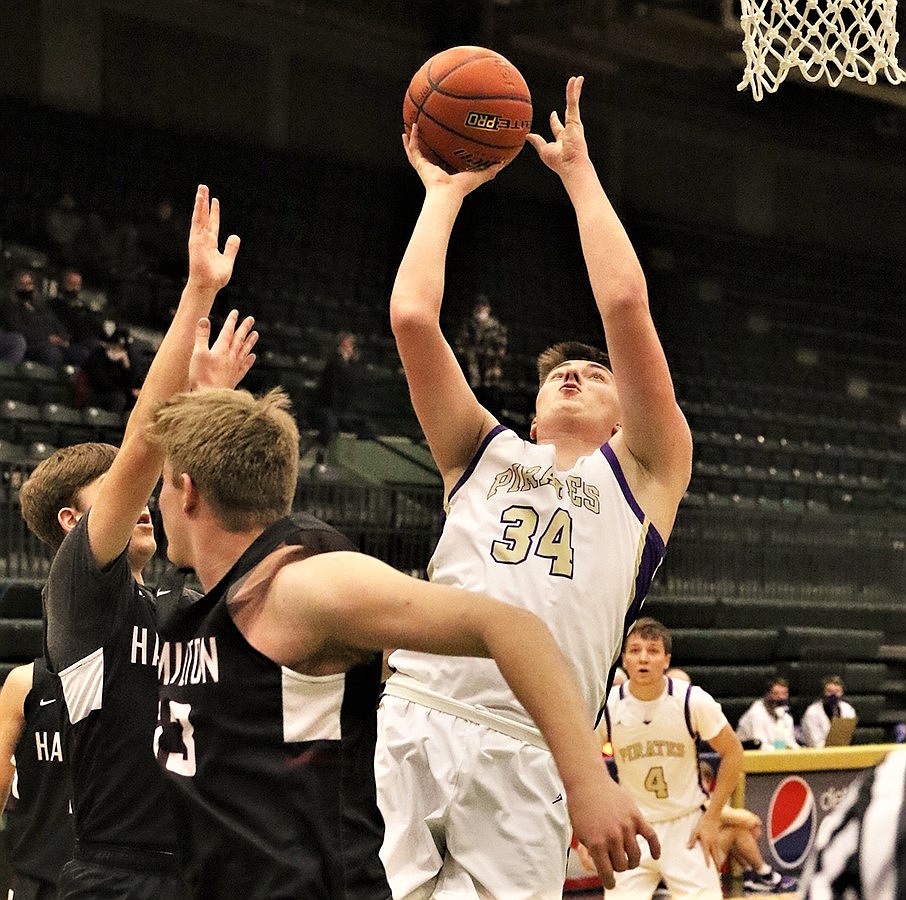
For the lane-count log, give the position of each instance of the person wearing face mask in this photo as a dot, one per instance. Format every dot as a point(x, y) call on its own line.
point(768, 721)
point(27, 313)
point(816, 720)
point(86, 330)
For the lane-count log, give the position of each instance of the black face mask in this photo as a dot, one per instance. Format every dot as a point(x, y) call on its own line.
point(69, 295)
point(24, 294)
point(831, 705)
point(772, 703)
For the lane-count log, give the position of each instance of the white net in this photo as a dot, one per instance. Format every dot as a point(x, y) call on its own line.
point(829, 39)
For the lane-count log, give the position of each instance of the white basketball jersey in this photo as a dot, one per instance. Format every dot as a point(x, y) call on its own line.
point(571, 546)
point(655, 746)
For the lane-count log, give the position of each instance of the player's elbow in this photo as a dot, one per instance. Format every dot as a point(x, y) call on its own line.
point(408, 316)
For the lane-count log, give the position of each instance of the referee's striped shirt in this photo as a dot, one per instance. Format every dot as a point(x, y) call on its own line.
point(860, 851)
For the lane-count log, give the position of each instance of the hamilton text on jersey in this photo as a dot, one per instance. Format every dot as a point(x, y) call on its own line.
point(189, 662)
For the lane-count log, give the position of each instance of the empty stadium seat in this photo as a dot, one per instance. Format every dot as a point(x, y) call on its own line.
point(21, 639)
point(20, 600)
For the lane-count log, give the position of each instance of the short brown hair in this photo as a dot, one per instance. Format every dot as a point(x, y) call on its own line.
point(55, 483)
point(651, 630)
point(549, 359)
point(241, 451)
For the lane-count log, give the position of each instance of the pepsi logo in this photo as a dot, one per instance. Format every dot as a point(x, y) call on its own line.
point(792, 817)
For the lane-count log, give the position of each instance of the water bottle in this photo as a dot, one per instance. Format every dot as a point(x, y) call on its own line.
point(779, 730)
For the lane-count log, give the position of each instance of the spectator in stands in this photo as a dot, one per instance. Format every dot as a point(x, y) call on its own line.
point(64, 227)
point(335, 400)
point(481, 344)
point(89, 503)
point(82, 323)
point(12, 343)
point(740, 830)
point(162, 243)
point(649, 710)
point(26, 312)
point(816, 720)
point(858, 853)
point(767, 723)
point(107, 378)
point(34, 781)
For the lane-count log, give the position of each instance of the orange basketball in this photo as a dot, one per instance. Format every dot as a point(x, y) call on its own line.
point(472, 106)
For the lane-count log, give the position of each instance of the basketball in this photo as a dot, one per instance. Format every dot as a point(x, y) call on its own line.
point(472, 106)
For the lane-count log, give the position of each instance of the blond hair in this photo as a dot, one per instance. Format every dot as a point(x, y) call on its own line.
point(554, 356)
point(242, 452)
point(56, 482)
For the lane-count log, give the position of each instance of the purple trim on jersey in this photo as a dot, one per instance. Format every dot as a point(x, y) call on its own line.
point(478, 453)
point(611, 458)
point(670, 686)
point(688, 714)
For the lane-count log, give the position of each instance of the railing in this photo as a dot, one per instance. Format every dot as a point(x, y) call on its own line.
point(711, 551)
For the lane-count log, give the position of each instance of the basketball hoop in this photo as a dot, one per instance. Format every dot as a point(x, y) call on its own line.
point(829, 39)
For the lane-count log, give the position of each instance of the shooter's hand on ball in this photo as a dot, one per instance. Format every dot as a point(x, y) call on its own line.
point(568, 146)
point(432, 175)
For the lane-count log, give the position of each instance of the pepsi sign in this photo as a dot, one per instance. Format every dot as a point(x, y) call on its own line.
point(792, 821)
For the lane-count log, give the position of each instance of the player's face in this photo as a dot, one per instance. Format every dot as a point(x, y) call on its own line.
point(645, 660)
point(169, 502)
point(580, 390)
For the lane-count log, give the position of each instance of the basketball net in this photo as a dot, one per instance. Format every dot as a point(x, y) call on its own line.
point(829, 39)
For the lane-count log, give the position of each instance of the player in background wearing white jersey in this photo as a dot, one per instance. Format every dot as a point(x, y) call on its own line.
point(572, 527)
point(655, 724)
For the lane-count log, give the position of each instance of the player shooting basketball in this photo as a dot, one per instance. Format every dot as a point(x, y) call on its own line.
point(572, 527)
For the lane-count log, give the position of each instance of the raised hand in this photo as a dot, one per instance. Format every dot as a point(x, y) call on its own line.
point(208, 266)
point(568, 145)
point(433, 175)
point(226, 363)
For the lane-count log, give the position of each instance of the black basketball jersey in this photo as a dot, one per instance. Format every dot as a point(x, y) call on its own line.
point(38, 817)
point(272, 771)
point(102, 642)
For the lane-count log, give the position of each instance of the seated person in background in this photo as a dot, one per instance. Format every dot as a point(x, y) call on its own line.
point(25, 312)
point(83, 324)
point(768, 720)
point(107, 378)
point(738, 837)
point(816, 720)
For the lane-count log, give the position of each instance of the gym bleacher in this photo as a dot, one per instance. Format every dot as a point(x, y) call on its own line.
point(788, 554)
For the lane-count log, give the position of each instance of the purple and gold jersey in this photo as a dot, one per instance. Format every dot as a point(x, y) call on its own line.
point(571, 546)
point(655, 746)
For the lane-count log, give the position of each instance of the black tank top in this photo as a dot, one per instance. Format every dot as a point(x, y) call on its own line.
point(271, 771)
point(38, 817)
point(104, 650)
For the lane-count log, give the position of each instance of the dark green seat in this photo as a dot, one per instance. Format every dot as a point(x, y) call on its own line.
point(730, 645)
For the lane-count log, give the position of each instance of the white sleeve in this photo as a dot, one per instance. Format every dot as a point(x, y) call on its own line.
point(708, 717)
